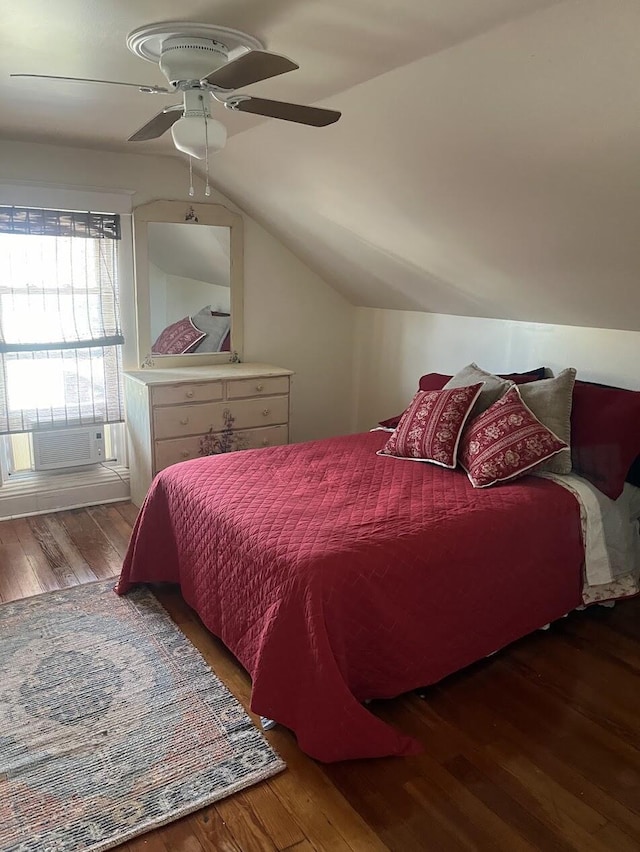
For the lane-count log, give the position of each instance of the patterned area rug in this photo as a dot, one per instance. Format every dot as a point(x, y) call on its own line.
point(111, 723)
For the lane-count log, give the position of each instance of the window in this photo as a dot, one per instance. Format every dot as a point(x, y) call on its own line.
point(60, 335)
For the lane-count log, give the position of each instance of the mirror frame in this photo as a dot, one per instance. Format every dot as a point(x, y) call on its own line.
point(181, 212)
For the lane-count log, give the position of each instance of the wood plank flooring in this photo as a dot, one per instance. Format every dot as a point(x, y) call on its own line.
point(536, 748)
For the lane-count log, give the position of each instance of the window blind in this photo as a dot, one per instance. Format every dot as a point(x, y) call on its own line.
point(60, 334)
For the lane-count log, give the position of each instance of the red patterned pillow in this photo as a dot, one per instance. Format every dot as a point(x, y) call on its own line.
point(178, 338)
point(505, 441)
point(430, 429)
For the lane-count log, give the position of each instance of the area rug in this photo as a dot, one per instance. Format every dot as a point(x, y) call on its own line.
point(111, 723)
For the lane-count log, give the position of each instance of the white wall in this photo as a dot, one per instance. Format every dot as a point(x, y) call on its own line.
point(392, 349)
point(292, 317)
point(186, 297)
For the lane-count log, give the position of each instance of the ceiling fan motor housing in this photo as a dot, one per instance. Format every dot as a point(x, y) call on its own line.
point(187, 58)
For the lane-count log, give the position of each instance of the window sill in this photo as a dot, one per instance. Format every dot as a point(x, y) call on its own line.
point(39, 492)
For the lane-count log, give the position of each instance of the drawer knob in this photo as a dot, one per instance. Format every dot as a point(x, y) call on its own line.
point(265, 442)
point(189, 394)
point(185, 454)
point(184, 421)
point(259, 387)
point(266, 412)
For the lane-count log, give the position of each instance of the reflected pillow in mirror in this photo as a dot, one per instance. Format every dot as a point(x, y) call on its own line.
point(215, 325)
point(178, 338)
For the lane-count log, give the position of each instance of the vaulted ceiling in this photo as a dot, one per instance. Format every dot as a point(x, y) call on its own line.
point(487, 161)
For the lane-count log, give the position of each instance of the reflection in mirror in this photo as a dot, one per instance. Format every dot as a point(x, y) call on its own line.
point(189, 288)
point(189, 284)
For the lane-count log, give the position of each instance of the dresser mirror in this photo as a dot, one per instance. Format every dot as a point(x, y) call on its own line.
point(188, 268)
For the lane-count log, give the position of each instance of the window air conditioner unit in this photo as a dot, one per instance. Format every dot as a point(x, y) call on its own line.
point(60, 448)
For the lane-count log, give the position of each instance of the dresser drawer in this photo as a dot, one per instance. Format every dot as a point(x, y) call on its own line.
point(257, 387)
point(178, 420)
point(182, 449)
point(186, 392)
point(176, 450)
point(270, 436)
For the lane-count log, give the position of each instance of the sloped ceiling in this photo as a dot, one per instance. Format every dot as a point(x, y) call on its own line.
point(487, 162)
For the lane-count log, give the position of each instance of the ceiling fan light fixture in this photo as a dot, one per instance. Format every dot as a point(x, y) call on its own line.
point(192, 132)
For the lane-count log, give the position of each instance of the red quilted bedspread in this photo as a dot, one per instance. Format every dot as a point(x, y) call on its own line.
point(336, 575)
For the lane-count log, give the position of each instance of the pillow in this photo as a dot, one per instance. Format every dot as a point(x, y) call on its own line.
point(605, 435)
point(505, 441)
point(430, 428)
point(178, 338)
point(550, 400)
point(429, 382)
point(433, 381)
point(493, 387)
point(216, 327)
point(633, 476)
point(436, 381)
point(525, 378)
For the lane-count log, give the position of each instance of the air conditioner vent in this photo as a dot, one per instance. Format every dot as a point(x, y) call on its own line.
point(60, 448)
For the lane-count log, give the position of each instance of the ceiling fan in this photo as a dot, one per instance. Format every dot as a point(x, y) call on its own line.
point(206, 63)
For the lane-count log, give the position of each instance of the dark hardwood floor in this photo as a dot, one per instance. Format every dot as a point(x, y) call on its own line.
point(535, 748)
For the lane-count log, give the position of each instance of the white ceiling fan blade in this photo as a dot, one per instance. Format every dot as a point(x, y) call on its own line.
point(313, 116)
point(251, 68)
point(158, 125)
point(148, 90)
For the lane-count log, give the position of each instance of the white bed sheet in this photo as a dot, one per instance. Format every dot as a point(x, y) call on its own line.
point(611, 535)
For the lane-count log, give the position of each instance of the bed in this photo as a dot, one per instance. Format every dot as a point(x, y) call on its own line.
point(336, 575)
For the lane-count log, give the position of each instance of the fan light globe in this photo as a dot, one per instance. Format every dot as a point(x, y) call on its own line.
point(189, 135)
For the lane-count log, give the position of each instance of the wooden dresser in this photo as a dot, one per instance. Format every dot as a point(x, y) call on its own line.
point(169, 411)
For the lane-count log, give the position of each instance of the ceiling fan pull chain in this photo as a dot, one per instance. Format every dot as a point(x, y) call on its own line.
point(207, 189)
point(191, 189)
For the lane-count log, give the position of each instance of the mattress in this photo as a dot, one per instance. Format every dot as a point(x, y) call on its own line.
point(336, 575)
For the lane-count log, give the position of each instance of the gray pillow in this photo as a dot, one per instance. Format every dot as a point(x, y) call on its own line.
point(493, 388)
point(551, 400)
point(216, 329)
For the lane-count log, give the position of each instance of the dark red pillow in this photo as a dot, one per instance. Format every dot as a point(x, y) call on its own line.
point(436, 381)
point(605, 435)
point(433, 381)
